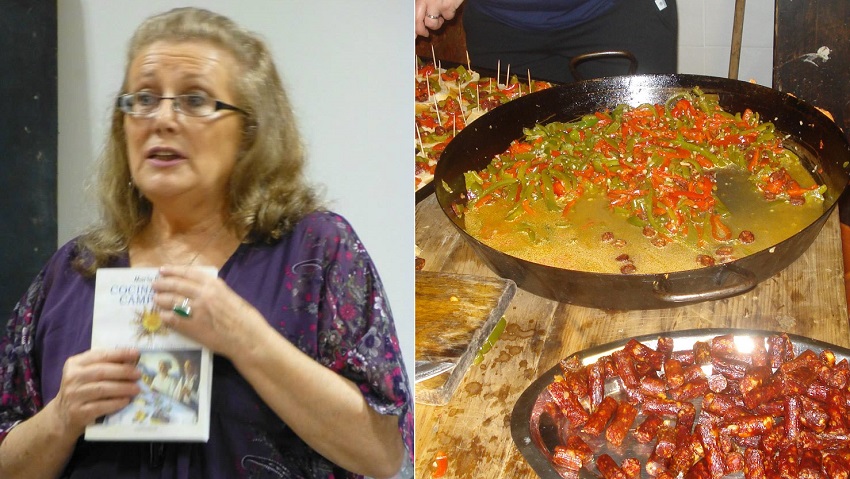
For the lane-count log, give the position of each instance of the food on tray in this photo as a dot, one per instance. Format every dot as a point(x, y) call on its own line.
point(449, 99)
point(729, 405)
point(645, 189)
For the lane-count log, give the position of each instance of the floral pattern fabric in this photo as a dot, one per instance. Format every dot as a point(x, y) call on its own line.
point(317, 286)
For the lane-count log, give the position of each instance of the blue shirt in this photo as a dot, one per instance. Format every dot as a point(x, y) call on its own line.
point(544, 14)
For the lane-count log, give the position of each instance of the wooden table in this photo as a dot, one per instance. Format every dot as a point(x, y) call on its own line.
point(807, 298)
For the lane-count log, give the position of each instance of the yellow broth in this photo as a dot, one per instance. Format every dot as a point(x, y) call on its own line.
point(576, 242)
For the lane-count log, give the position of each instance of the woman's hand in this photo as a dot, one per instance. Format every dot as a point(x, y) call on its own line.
point(431, 14)
point(95, 383)
point(219, 318)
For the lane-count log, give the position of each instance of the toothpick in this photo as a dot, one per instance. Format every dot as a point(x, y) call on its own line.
point(454, 125)
point(433, 55)
point(419, 138)
point(529, 80)
point(437, 108)
point(498, 71)
point(478, 95)
point(508, 76)
point(468, 64)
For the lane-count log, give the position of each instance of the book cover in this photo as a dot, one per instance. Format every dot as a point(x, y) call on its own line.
point(176, 383)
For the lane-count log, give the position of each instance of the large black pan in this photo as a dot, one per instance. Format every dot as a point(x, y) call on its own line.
point(816, 138)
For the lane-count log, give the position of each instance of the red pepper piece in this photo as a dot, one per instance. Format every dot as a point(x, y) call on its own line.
point(440, 465)
point(620, 424)
point(599, 417)
point(608, 468)
point(568, 403)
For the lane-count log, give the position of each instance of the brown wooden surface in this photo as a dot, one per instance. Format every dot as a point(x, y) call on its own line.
point(455, 313)
point(807, 298)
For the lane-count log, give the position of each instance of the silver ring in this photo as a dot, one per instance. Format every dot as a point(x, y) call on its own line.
point(433, 17)
point(183, 309)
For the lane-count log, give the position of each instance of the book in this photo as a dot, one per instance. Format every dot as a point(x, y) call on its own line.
point(176, 383)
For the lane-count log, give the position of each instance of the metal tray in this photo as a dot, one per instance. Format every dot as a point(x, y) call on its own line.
point(535, 433)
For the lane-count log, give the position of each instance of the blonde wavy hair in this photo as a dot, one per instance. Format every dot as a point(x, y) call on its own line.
point(268, 192)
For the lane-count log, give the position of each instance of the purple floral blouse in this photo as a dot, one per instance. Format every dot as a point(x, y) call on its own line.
point(317, 286)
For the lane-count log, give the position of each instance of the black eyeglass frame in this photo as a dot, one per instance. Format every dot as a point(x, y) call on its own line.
point(217, 106)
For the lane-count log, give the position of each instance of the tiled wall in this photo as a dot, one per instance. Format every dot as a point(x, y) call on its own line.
point(705, 39)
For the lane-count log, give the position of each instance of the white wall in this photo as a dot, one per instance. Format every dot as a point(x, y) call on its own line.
point(347, 67)
point(705, 39)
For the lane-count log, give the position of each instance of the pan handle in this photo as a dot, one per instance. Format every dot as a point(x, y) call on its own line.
point(576, 60)
point(729, 281)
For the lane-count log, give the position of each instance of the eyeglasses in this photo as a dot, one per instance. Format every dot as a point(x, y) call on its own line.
point(145, 103)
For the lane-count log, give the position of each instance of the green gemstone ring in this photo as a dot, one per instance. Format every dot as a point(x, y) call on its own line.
point(183, 309)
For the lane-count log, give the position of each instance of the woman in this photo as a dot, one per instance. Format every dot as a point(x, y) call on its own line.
point(204, 167)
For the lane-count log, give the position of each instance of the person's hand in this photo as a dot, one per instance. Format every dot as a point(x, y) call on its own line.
point(218, 318)
point(431, 14)
point(95, 383)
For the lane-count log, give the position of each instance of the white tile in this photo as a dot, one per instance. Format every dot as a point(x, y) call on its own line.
point(717, 61)
point(719, 16)
point(691, 60)
point(758, 24)
point(756, 64)
point(691, 22)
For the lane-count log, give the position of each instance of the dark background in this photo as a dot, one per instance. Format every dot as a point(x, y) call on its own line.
point(28, 138)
